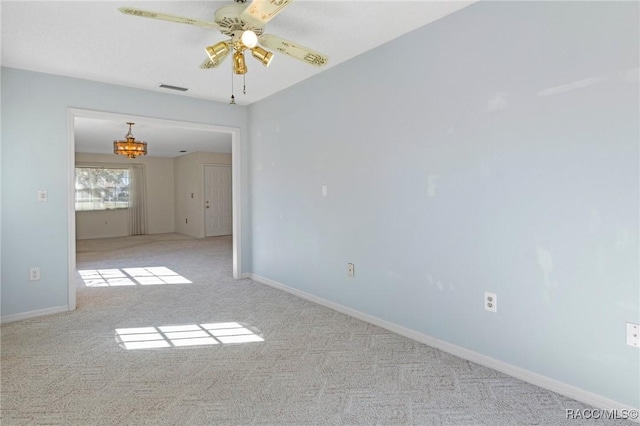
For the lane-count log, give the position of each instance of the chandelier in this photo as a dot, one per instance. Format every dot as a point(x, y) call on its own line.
point(129, 147)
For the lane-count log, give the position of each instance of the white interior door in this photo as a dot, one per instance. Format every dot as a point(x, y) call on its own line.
point(217, 201)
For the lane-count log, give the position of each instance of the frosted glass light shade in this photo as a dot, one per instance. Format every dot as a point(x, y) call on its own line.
point(249, 39)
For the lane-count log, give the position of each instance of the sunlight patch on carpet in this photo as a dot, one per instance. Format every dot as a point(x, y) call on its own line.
point(157, 275)
point(169, 336)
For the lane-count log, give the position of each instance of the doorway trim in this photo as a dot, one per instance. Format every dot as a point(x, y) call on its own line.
point(236, 181)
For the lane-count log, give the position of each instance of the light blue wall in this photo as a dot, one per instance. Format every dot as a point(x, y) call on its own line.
point(496, 149)
point(34, 156)
point(493, 150)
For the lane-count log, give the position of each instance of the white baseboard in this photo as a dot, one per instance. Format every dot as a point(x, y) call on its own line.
point(33, 314)
point(553, 385)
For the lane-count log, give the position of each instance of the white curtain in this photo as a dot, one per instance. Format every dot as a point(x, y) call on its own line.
point(137, 200)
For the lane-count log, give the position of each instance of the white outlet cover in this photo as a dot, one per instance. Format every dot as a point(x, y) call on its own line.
point(42, 195)
point(34, 273)
point(490, 302)
point(324, 190)
point(633, 334)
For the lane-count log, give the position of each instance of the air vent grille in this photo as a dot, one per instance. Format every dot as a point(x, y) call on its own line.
point(170, 87)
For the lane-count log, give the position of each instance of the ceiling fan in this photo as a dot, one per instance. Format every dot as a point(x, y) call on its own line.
point(245, 26)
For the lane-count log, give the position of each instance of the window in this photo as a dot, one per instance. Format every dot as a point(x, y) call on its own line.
point(101, 188)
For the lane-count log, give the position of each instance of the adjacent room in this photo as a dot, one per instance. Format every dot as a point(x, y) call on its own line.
point(173, 188)
point(428, 216)
point(179, 190)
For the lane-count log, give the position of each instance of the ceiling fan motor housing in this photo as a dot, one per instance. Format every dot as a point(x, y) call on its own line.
point(228, 18)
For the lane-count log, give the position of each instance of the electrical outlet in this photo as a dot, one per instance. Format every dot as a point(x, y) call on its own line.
point(633, 334)
point(351, 270)
point(490, 302)
point(34, 273)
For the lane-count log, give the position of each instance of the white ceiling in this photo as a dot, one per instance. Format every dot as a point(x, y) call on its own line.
point(93, 40)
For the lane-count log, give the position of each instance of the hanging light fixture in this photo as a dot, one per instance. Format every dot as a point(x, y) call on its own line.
point(237, 45)
point(129, 147)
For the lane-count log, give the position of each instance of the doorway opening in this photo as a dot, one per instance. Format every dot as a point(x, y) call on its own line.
point(233, 207)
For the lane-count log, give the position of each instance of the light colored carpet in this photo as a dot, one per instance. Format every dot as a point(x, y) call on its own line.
point(315, 366)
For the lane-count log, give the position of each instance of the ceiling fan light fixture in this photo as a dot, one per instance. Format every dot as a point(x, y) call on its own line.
point(239, 65)
point(244, 25)
point(262, 55)
point(217, 52)
point(249, 39)
point(129, 147)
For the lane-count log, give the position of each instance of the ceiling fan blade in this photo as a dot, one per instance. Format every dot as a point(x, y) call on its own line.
point(164, 17)
point(259, 12)
point(293, 49)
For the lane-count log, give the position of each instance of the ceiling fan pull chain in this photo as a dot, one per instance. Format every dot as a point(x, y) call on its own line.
point(244, 84)
point(233, 98)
